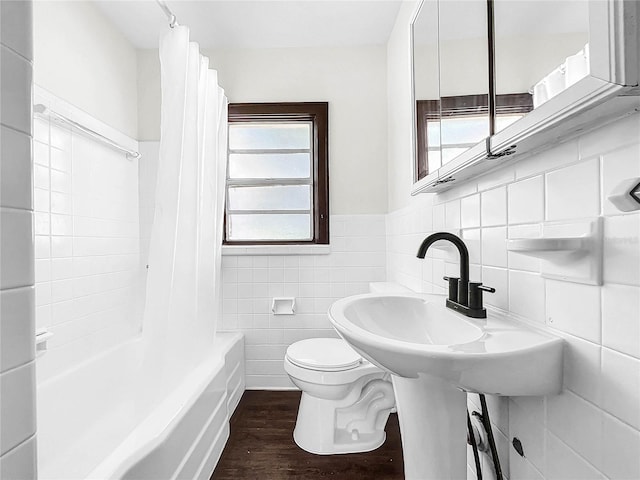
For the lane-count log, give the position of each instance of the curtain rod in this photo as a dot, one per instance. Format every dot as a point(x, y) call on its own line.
point(173, 21)
point(44, 111)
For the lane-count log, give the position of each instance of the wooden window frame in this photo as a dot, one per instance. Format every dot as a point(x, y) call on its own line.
point(318, 114)
point(461, 106)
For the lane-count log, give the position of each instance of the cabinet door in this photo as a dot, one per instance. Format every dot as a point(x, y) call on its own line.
point(578, 59)
point(426, 78)
point(464, 77)
point(541, 49)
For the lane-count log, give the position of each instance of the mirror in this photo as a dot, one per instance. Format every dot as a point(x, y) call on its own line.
point(451, 81)
point(464, 76)
point(515, 76)
point(426, 80)
point(541, 48)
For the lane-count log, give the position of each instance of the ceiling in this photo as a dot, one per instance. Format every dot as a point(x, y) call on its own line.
point(259, 23)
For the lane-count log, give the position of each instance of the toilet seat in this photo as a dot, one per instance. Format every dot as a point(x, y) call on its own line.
point(323, 354)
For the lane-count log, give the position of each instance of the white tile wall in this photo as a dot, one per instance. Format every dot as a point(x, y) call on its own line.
point(20, 462)
point(250, 282)
point(17, 332)
point(574, 191)
point(18, 420)
point(17, 310)
point(592, 430)
point(86, 242)
point(15, 176)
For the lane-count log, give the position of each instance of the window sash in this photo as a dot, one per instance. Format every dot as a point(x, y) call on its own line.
point(317, 180)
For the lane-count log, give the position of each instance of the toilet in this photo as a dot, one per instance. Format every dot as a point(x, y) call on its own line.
point(345, 400)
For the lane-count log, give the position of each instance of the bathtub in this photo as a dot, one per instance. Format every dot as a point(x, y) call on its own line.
point(104, 420)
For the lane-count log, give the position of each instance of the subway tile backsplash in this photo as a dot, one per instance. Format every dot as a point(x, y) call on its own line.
point(592, 429)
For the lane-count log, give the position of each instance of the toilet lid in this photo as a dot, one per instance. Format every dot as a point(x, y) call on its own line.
point(329, 354)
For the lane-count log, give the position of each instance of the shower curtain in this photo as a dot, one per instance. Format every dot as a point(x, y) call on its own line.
point(183, 278)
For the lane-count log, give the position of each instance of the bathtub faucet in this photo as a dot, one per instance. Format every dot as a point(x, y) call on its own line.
point(464, 296)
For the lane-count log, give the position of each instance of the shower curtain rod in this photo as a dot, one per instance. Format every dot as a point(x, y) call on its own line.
point(44, 111)
point(173, 21)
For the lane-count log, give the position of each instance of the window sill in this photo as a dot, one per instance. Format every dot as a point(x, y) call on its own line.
point(239, 250)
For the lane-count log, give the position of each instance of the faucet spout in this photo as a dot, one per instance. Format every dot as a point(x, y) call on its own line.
point(463, 284)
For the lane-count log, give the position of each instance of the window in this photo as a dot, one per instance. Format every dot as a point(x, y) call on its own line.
point(450, 126)
point(278, 174)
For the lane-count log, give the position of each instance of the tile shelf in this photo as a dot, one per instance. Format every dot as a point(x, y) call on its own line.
point(569, 251)
point(539, 247)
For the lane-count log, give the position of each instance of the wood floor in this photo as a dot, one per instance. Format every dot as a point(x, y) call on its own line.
point(261, 446)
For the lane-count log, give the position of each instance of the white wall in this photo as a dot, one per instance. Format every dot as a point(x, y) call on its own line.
point(352, 80)
point(81, 57)
point(591, 430)
point(87, 265)
point(399, 113)
point(17, 365)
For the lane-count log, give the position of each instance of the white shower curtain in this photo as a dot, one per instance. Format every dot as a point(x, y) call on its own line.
point(183, 279)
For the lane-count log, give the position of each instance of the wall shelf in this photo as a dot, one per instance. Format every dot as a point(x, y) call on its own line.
point(540, 246)
point(569, 251)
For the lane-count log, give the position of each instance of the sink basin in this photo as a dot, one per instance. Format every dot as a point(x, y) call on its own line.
point(416, 334)
point(435, 355)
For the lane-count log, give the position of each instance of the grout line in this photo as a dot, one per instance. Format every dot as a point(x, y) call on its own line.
point(22, 365)
point(29, 438)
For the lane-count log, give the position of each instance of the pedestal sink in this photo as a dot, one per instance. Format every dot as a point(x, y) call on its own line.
point(435, 355)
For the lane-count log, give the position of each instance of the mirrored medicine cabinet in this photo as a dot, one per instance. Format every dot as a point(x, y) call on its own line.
point(493, 79)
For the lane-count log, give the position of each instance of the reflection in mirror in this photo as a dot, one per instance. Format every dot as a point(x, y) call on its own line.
point(541, 48)
point(464, 76)
point(426, 89)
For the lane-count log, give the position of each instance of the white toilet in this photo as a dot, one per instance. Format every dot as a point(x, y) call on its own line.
point(345, 399)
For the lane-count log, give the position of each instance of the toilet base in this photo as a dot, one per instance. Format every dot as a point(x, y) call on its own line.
point(329, 427)
point(366, 443)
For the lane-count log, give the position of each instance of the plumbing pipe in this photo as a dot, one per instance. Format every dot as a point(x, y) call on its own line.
point(471, 440)
point(492, 444)
point(482, 447)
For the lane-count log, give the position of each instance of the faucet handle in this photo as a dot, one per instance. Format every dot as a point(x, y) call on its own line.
point(453, 288)
point(475, 294)
point(484, 288)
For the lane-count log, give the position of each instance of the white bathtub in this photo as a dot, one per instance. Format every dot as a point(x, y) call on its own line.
point(104, 420)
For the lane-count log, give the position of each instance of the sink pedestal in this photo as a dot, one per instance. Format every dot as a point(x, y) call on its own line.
point(433, 425)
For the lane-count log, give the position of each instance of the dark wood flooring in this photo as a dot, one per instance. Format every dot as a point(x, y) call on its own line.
point(261, 446)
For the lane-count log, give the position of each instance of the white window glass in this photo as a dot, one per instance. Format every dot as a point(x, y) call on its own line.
point(276, 197)
point(262, 136)
point(464, 130)
point(246, 227)
point(433, 134)
point(270, 165)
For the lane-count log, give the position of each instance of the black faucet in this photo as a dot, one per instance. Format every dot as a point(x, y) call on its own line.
point(464, 296)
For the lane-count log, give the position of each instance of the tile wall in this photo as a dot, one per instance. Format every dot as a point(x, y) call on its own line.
point(17, 351)
point(592, 429)
point(87, 262)
point(250, 282)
